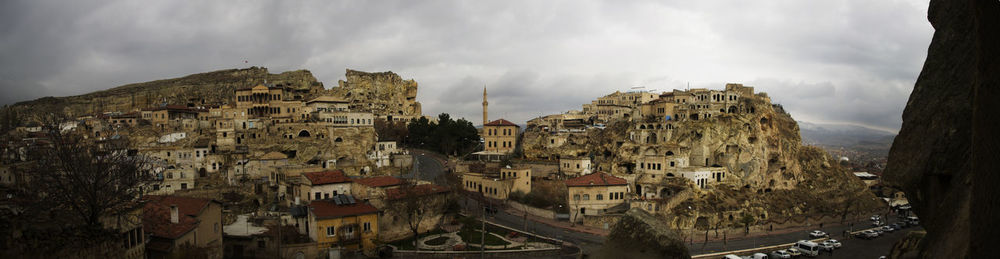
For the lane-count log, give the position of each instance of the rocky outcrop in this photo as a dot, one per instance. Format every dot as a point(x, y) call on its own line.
point(211, 88)
point(948, 139)
point(382, 93)
point(641, 235)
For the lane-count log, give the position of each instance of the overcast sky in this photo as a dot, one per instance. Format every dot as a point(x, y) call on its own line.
point(847, 61)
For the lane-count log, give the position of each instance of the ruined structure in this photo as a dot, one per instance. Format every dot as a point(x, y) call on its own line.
point(384, 94)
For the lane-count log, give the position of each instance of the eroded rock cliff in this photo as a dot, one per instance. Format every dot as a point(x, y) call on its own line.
point(948, 139)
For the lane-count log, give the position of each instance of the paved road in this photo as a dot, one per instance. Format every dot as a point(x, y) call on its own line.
point(864, 248)
point(428, 168)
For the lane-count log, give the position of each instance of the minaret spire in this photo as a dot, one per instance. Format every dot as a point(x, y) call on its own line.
point(485, 117)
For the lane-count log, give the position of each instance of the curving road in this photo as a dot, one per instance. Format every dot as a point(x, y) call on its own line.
point(428, 166)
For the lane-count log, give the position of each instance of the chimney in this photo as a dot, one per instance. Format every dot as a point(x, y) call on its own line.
point(174, 218)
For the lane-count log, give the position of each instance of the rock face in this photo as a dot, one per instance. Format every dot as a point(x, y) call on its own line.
point(948, 139)
point(769, 173)
point(640, 235)
point(202, 89)
point(382, 93)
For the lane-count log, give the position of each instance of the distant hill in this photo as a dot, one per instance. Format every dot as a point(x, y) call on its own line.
point(844, 135)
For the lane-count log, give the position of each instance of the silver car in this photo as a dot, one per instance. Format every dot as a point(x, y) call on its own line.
point(781, 254)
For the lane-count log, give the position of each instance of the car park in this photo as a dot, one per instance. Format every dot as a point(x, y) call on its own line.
point(818, 234)
point(781, 254)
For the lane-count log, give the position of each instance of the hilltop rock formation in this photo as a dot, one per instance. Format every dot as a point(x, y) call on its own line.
point(204, 89)
point(948, 139)
point(382, 93)
point(640, 235)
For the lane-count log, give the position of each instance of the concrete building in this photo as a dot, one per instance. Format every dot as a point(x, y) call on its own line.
point(595, 194)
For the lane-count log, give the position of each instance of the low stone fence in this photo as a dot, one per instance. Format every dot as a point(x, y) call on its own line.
point(606, 221)
point(534, 211)
point(521, 253)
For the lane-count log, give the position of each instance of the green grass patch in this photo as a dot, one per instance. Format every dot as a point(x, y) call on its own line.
point(475, 237)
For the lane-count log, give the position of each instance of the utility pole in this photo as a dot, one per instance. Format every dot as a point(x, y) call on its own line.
point(482, 241)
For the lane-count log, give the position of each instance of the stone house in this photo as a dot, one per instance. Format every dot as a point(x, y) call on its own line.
point(595, 194)
point(341, 224)
point(575, 166)
point(176, 224)
point(500, 136)
point(323, 185)
point(498, 184)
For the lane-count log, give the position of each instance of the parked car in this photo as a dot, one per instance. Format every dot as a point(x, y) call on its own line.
point(880, 231)
point(888, 229)
point(757, 256)
point(826, 246)
point(834, 242)
point(902, 224)
point(794, 252)
point(818, 234)
point(867, 234)
point(876, 218)
point(877, 223)
point(896, 226)
point(731, 256)
point(781, 254)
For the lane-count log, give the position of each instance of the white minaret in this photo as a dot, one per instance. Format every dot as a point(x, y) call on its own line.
point(485, 117)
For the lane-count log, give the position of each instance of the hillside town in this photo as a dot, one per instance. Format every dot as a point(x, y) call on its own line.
point(279, 170)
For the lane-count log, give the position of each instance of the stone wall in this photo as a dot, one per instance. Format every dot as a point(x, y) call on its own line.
point(537, 212)
point(601, 221)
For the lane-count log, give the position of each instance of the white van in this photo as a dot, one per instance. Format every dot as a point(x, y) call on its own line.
point(759, 256)
point(808, 248)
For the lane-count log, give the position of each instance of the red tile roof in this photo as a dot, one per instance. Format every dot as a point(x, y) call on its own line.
point(501, 122)
point(327, 177)
point(156, 215)
point(327, 209)
point(596, 179)
point(419, 190)
point(379, 181)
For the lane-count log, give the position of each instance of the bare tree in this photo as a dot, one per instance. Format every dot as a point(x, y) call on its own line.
point(413, 203)
point(76, 191)
point(91, 179)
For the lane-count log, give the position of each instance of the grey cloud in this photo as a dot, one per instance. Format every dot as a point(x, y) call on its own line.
point(536, 57)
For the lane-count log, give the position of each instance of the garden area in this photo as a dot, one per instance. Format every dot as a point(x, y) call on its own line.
point(466, 235)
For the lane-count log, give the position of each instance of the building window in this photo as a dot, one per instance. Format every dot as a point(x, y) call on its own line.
point(586, 197)
point(330, 231)
point(216, 227)
point(600, 197)
point(576, 197)
point(184, 186)
point(367, 226)
point(317, 196)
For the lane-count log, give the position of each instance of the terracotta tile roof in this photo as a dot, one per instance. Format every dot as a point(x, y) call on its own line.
point(596, 179)
point(378, 181)
point(501, 122)
point(156, 215)
point(419, 190)
point(327, 177)
point(328, 209)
